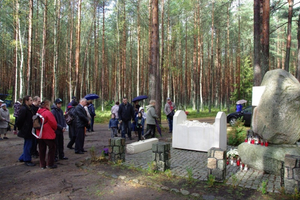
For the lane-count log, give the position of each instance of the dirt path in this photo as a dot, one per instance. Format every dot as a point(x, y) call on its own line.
point(90, 181)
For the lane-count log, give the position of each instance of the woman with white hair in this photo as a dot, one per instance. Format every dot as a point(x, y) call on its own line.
point(151, 117)
point(4, 119)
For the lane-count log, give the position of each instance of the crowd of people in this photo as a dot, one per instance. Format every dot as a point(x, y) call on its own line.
point(125, 118)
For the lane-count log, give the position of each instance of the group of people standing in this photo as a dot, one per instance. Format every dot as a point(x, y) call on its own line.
point(133, 118)
point(51, 135)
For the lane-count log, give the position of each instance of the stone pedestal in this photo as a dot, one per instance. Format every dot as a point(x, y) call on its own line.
point(161, 156)
point(291, 173)
point(216, 163)
point(116, 149)
point(269, 159)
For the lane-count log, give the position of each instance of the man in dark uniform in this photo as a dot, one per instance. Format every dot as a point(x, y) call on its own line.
point(81, 121)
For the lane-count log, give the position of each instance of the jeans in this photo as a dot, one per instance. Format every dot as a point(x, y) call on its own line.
point(170, 120)
point(114, 132)
point(126, 129)
point(26, 156)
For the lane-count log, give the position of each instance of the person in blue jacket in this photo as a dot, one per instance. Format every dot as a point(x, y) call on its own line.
point(113, 125)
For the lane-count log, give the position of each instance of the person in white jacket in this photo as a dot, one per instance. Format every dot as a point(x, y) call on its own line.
point(4, 119)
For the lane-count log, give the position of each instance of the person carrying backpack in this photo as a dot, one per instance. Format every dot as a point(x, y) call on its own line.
point(48, 136)
point(93, 114)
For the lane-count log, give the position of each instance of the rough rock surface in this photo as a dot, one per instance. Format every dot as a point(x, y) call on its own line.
point(268, 159)
point(277, 116)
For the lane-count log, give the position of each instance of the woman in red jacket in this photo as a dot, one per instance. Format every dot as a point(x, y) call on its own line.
point(48, 136)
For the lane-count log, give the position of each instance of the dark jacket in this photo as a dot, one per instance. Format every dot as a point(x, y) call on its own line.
point(139, 125)
point(113, 123)
point(60, 119)
point(81, 119)
point(92, 110)
point(34, 109)
point(24, 122)
point(126, 112)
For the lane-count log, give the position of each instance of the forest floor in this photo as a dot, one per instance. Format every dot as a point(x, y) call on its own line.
point(78, 179)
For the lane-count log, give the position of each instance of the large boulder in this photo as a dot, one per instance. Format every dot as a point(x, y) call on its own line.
point(277, 116)
point(269, 159)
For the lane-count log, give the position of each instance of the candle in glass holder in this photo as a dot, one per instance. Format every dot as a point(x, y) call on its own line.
point(266, 143)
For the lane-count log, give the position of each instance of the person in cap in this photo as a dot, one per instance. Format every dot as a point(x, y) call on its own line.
point(61, 128)
point(74, 101)
point(4, 119)
point(170, 111)
point(1, 102)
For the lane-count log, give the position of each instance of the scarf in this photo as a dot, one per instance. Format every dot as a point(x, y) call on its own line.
point(170, 103)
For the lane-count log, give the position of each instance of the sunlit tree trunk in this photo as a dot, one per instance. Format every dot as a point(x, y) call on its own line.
point(43, 58)
point(29, 60)
point(257, 65)
point(211, 57)
point(289, 36)
point(138, 50)
point(265, 37)
point(70, 49)
point(16, 49)
point(298, 51)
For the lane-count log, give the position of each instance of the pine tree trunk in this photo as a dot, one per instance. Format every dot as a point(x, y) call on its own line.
point(29, 54)
point(265, 37)
point(257, 69)
point(70, 51)
point(77, 53)
point(289, 36)
point(298, 51)
point(138, 50)
point(16, 50)
point(43, 49)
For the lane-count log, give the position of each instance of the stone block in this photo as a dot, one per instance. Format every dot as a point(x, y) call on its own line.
point(161, 166)
point(164, 156)
point(168, 164)
point(221, 164)
point(290, 161)
point(296, 173)
point(118, 141)
point(290, 185)
point(154, 147)
point(155, 156)
point(116, 149)
point(288, 173)
point(112, 157)
point(122, 149)
point(122, 157)
point(218, 174)
point(140, 146)
point(211, 152)
point(112, 141)
point(220, 154)
point(117, 157)
point(161, 147)
point(123, 141)
point(211, 163)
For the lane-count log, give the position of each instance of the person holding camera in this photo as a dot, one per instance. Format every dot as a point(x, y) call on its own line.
point(170, 112)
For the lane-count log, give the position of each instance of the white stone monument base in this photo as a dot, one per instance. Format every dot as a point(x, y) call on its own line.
point(140, 146)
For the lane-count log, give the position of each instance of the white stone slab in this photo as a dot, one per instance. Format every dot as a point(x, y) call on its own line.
point(199, 136)
point(257, 92)
point(140, 146)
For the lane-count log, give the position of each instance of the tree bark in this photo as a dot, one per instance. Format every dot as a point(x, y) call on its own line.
point(29, 60)
point(44, 49)
point(298, 36)
point(265, 37)
point(138, 50)
point(77, 53)
point(289, 36)
point(70, 50)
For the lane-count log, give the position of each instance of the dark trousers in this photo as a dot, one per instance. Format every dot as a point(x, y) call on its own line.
point(150, 131)
point(72, 141)
point(15, 127)
point(59, 141)
point(139, 130)
point(92, 124)
point(126, 129)
point(72, 135)
point(79, 142)
point(43, 143)
point(26, 156)
point(33, 150)
point(170, 120)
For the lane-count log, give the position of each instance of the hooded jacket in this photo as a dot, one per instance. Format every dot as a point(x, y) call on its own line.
point(50, 124)
point(151, 115)
point(17, 107)
point(59, 117)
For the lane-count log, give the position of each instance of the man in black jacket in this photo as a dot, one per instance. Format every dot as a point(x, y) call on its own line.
point(24, 124)
point(126, 114)
point(81, 121)
point(61, 128)
point(36, 101)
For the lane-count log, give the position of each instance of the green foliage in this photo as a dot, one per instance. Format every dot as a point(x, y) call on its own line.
point(237, 134)
point(93, 154)
point(151, 168)
point(263, 187)
point(168, 173)
point(234, 181)
point(211, 180)
point(296, 194)
point(190, 175)
point(246, 82)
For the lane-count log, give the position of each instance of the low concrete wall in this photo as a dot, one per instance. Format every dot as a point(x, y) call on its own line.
point(140, 146)
point(197, 136)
